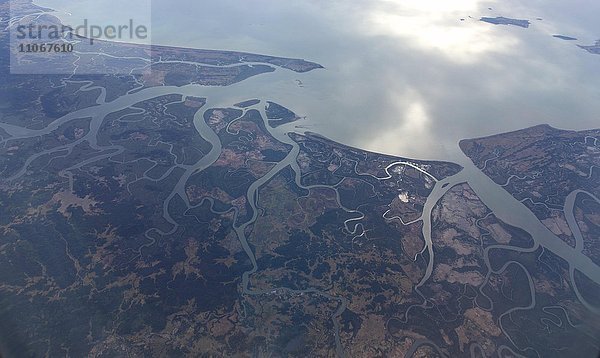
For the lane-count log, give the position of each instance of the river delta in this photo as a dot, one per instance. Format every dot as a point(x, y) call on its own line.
point(155, 215)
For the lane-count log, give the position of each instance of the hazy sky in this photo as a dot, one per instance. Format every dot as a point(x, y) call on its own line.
point(405, 77)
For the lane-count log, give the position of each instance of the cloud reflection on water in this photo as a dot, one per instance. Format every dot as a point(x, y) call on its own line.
point(409, 77)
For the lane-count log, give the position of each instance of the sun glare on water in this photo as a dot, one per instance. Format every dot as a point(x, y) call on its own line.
point(442, 26)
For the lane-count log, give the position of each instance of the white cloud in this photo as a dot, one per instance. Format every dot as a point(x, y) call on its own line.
point(436, 25)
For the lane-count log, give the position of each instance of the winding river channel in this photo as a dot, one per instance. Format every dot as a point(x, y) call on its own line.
point(281, 86)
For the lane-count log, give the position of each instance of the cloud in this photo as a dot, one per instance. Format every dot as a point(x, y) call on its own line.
point(436, 26)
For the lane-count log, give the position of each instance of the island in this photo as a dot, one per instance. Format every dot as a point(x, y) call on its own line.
point(501, 20)
point(566, 38)
point(593, 49)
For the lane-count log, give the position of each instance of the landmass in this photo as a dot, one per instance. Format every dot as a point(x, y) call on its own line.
point(248, 103)
point(501, 20)
point(279, 115)
point(566, 38)
point(158, 66)
point(239, 240)
point(552, 172)
point(138, 222)
point(593, 49)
